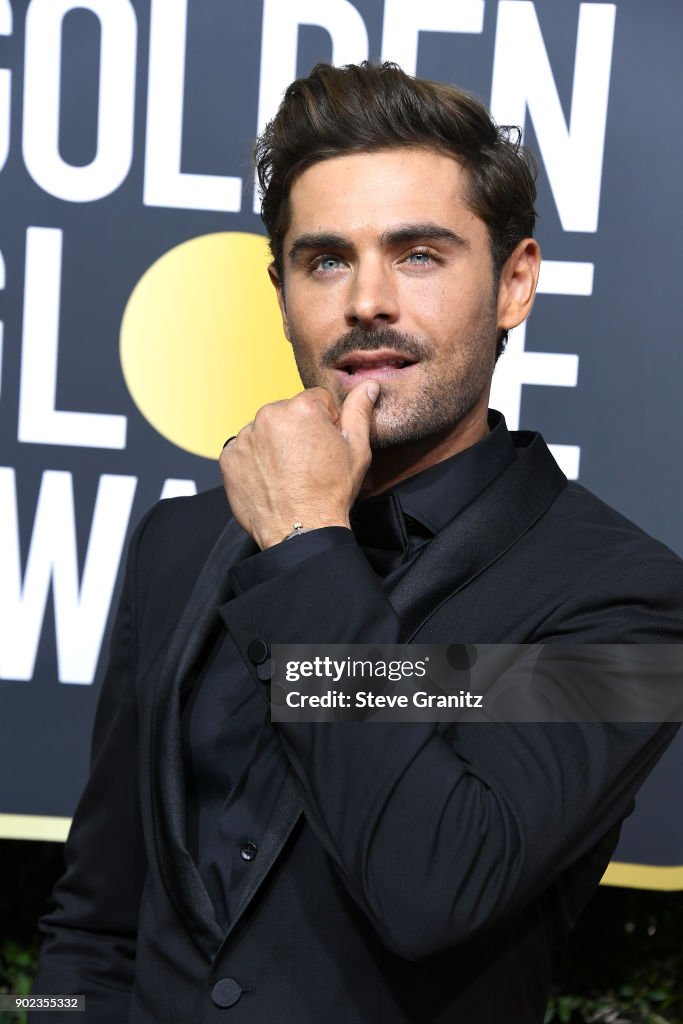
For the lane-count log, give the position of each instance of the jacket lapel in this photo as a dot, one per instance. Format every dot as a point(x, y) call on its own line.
point(480, 534)
point(189, 642)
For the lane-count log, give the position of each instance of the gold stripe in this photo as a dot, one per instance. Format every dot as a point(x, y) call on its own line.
point(34, 826)
point(643, 876)
point(618, 873)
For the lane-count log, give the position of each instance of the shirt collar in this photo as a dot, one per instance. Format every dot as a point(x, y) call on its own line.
point(432, 497)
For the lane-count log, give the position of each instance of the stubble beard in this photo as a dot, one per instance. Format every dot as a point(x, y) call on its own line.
point(441, 401)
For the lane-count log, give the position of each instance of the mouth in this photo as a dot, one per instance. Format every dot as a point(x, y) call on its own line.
point(385, 365)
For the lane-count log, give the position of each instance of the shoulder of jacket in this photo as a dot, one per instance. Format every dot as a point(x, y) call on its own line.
point(197, 514)
point(592, 522)
point(174, 539)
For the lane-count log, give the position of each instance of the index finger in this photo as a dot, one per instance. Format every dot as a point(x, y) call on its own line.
point(322, 395)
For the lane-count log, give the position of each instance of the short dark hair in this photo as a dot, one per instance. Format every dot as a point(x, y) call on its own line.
point(367, 107)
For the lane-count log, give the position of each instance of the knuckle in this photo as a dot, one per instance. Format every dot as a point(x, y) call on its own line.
point(264, 416)
point(305, 404)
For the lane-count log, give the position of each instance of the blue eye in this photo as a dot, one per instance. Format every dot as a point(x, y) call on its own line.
point(325, 263)
point(419, 258)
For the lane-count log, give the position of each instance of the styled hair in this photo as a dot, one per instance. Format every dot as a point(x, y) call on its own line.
point(363, 108)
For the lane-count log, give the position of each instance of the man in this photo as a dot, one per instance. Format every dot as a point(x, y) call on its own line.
point(224, 867)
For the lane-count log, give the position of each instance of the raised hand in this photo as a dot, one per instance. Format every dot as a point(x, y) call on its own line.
point(300, 461)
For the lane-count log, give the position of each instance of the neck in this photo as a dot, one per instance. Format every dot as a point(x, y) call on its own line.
point(390, 466)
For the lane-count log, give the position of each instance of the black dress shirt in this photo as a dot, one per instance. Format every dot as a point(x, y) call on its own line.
point(235, 761)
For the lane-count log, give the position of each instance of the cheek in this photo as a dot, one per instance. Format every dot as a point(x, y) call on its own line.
point(439, 312)
point(426, 304)
point(442, 296)
point(315, 325)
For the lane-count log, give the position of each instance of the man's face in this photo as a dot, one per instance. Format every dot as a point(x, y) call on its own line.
point(388, 276)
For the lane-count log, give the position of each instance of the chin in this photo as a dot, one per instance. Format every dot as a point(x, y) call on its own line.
point(397, 439)
point(431, 420)
point(395, 433)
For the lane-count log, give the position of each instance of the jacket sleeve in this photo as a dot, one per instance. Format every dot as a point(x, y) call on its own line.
point(90, 935)
point(439, 832)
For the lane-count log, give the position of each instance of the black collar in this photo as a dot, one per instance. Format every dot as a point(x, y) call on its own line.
point(431, 498)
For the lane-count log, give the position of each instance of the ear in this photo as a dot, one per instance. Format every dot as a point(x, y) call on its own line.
point(517, 285)
point(280, 291)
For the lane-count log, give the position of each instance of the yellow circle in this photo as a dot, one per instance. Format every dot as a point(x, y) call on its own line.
point(202, 346)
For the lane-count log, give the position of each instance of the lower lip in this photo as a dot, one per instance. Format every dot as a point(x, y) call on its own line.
point(380, 373)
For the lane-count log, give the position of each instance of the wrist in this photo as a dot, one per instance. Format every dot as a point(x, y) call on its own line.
point(297, 528)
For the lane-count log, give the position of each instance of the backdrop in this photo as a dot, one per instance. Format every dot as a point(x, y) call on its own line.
point(137, 328)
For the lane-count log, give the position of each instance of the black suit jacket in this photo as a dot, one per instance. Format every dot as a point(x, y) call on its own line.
point(411, 872)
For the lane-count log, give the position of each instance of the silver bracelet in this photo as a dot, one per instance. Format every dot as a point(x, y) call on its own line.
point(299, 528)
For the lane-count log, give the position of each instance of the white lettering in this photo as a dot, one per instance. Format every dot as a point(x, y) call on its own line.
point(279, 41)
point(165, 183)
point(551, 369)
point(403, 23)
point(39, 421)
point(5, 85)
point(367, 699)
point(568, 458)
point(81, 610)
point(176, 488)
point(565, 277)
point(116, 106)
point(523, 78)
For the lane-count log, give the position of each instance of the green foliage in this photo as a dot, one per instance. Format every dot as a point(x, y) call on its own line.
point(17, 969)
point(625, 960)
point(630, 1004)
point(27, 873)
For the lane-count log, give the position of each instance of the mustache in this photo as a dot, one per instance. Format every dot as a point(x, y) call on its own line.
point(359, 339)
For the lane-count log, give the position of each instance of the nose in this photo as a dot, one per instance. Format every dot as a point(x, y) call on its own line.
point(372, 299)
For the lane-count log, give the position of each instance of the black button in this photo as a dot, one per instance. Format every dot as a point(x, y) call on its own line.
point(226, 992)
point(257, 652)
point(248, 851)
point(266, 670)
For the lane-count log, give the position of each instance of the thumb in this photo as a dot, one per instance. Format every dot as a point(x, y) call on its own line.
point(356, 412)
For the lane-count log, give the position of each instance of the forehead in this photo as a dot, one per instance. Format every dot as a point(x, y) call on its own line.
point(361, 192)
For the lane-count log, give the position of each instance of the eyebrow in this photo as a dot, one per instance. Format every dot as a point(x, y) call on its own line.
point(322, 240)
point(404, 234)
point(414, 232)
